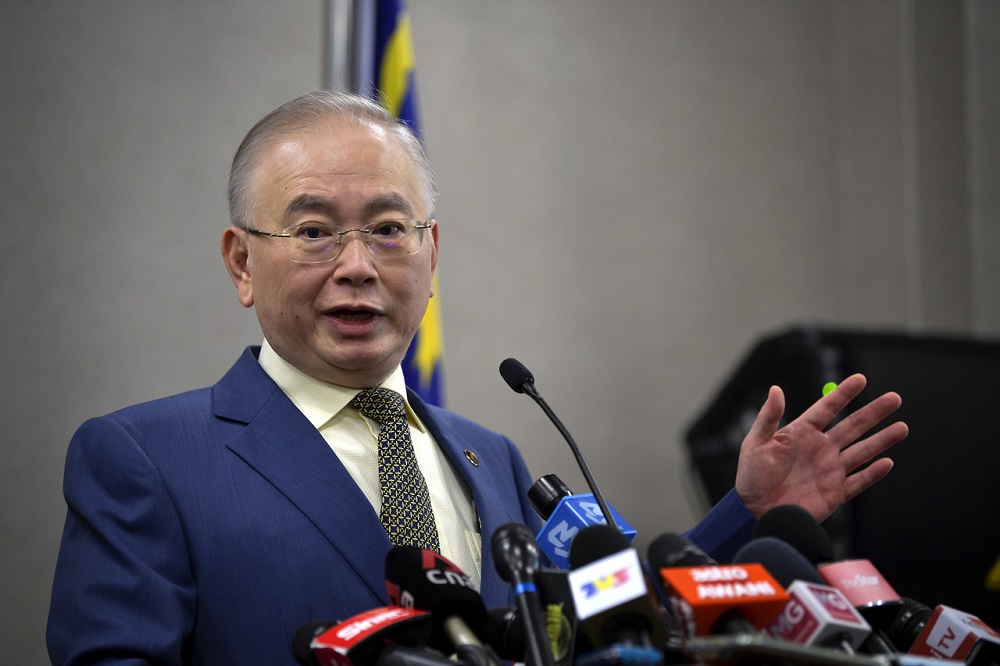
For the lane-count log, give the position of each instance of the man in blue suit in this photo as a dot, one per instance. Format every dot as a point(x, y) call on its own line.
point(207, 527)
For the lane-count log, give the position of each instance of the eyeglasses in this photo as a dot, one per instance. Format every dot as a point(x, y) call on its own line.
point(317, 242)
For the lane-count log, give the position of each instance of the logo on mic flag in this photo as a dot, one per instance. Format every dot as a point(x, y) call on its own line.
point(815, 613)
point(860, 582)
point(953, 634)
point(607, 583)
point(573, 513)
point(702, 595)
point(437, 570)
point(361, 637)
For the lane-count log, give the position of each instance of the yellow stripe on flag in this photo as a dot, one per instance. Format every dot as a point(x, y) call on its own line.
point(430, 341)
point(397, 63)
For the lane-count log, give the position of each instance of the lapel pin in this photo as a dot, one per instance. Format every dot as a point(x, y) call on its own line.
point(472, 457)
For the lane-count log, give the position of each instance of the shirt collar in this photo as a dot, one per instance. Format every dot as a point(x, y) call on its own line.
point(319, 401)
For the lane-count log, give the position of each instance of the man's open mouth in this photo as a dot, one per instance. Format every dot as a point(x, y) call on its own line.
point(353, 315)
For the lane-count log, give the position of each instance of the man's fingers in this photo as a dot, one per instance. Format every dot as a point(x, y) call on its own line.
point(859, 453)
point(862, 480)
point(766, 423)
point(864, 419)
point(826, 408)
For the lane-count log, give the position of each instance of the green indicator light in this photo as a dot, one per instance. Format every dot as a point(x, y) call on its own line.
point(828, 387)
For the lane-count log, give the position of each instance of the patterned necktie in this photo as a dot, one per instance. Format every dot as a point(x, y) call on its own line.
point(406, 504)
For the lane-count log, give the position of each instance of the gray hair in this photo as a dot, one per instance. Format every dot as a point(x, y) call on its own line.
point(305, 112)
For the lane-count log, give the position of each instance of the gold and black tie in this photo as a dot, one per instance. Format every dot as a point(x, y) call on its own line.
point(406, 510)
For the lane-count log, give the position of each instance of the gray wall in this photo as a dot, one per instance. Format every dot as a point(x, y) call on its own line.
point(632, 193)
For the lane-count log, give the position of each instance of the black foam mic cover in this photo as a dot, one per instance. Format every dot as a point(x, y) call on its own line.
point(428, 581)
point(673, 550)
point(781, 560)
point(593, 543)
point(515, 553)
point(504, 632)
point(515, 374)
point(796, 527)
point(302, 641)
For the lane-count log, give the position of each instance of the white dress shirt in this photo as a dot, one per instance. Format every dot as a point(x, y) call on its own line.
point(354, 439)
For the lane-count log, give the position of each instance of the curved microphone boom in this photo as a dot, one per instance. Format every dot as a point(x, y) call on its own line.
point(519, 378)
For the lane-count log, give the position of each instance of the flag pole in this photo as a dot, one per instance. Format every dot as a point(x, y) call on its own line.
point(337, 44)
point(349, 45)
point(363, 74)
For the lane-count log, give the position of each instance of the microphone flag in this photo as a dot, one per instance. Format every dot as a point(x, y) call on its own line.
point(360, 638)
point(702, 596)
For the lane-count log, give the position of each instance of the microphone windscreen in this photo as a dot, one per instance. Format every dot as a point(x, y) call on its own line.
point(302, 641)
point(673, 550)
point(505, 633)
point(515, 374)
point(546, 493)
point(594, 543)
point(796, 527)
point(434, 584)
point(782, 561)
point(515, 553)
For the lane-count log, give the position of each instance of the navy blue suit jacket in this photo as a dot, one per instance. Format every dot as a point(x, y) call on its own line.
point(207, 527)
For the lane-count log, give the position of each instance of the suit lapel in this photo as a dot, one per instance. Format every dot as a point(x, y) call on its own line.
point(281, 445)
point(284, 448)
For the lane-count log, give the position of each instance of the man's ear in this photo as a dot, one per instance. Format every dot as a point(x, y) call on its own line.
point(234, 254)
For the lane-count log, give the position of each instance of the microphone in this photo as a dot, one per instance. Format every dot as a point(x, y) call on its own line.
point(520, 380)
point(898, 623)
point(403, 655)
point(787, 566)
point(424, 580)
point(709, 598)
point(565, 515)
point(610, 594)
point(360, 639)
point(506, 633)
point(954, 634)
point(816, 614)
point(517, 559)
point(908, 623)
point(781, 560)
point(859, 581)
point(764, 649)
point(796, 527)
point(865, 587)
point(672, 550)
point(820, 615)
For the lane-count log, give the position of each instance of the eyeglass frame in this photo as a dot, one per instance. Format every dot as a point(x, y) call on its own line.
point(366, 234)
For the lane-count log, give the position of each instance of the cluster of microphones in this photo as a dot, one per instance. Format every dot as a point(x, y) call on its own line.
point(585, 597)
